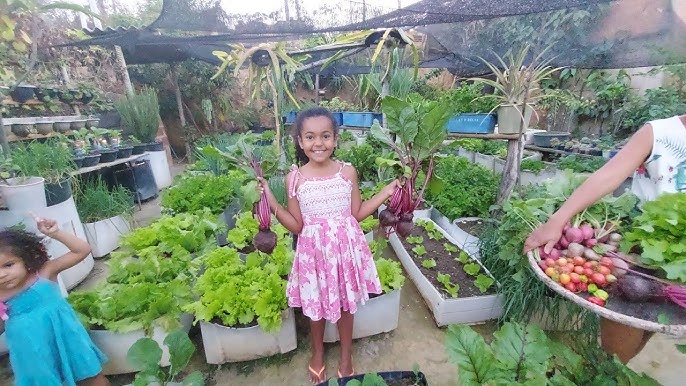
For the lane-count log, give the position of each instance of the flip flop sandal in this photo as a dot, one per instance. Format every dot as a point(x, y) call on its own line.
point(349, 375)
point(317, 374)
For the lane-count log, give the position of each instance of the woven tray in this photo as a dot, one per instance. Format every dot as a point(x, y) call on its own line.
point(617, 310)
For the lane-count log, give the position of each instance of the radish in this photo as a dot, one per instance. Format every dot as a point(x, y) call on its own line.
point(574, 235)
point(620, 266)
point(563, 242)
point(555, 254)
point(575, 249)
point(586, 231)
point(590, 243)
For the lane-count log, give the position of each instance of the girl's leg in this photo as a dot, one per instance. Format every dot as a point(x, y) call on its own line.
point(317, 366)
point(345, 332)
point(98, 380)
point(622, 340)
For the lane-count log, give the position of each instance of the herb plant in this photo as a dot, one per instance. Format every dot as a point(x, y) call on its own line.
point(50, 159)
point(456, 198)
point(140, 114)
point(532, 165)
point(96, 202)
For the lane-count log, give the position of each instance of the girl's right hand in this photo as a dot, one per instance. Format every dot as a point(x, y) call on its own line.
point(46, 226)
point(546, 235)
point(263, 187)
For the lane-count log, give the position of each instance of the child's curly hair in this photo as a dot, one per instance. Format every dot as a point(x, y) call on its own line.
point(26, 246)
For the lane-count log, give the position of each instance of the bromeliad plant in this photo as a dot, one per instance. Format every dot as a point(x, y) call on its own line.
point(419, 127)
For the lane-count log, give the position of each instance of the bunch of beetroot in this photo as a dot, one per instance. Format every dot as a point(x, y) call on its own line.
point(399, 213)
point(265, 240)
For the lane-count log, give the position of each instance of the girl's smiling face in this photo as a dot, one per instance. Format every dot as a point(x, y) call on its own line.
point(317, 138)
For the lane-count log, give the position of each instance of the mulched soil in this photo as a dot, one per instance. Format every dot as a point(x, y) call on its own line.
point(445, 264)
point(473, 227)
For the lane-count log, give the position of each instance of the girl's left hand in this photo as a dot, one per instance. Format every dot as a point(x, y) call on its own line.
point(46, 226)
point(389, 189)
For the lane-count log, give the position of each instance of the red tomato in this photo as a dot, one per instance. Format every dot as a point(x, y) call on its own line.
point(588, 264)
point(588, 272)
point(596, 301)
point(606, 261)
point(579, 270)
point(571, 286)
point(603, 270)
point(578, 260)
point(581, 286)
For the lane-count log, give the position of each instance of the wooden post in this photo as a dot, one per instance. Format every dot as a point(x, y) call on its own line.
point(316, 88)
point(125, 72)
point(179, 106)
point(3, 139)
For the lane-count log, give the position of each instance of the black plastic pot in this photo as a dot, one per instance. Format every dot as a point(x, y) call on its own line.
point(22, 129)
point(86, 99)
point(22, 93)
point(418, 378)
point(138, 179)
point(58, 193)
point(91, 160)
point(78, 161)
point(139, 148)
point(108, 156)
point(124, 152)
point(42, 94)
point(155, 146)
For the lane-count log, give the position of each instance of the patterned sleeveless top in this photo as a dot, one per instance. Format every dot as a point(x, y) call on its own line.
point(664, 171)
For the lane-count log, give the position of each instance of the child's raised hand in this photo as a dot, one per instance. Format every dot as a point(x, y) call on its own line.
point(46, 226)
point(389, 189)
point(263, 187)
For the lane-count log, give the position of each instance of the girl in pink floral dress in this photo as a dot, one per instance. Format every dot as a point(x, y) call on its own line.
point(333, 269)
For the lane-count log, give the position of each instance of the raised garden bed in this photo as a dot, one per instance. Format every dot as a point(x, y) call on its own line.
point(466, 304)
point(376, 316)
point(227, 344)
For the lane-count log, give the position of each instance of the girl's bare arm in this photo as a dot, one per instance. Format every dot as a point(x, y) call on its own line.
point(78, 249)
point(289, 217)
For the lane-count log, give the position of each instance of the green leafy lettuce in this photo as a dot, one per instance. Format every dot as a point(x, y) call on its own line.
point(660, 230)
point(194, 193)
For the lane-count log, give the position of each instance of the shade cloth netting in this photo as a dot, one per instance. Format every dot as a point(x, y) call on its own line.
point(579, 33)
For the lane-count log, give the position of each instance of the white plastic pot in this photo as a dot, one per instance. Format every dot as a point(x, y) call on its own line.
point(24, 194)
point(376, 316)
point(226, 344)
point(369, 236)
point(116, 345)
point(103, 236)
point(160, 168)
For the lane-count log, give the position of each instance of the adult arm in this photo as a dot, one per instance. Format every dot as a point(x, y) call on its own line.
point(604, 181)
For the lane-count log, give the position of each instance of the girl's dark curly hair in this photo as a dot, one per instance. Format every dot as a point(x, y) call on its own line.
point(312, 112)
point(26, 246)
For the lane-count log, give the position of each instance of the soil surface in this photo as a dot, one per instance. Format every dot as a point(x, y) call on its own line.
point(445, 264)
point(473, 227)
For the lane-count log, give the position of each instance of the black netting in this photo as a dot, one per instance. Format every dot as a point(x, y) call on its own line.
point(577, 33)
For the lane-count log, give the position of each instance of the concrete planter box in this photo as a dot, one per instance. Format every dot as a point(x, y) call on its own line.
point(369, 236)
point(377, 316)
point(528, 178)
point(227, 344)
point(470, 310)
point(485, 160)
point(423, 213)
point(103, 236)
point(498, 165)
point(116, 345)
point(468, 154)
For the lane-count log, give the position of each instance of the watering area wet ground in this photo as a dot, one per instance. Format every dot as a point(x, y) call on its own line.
point(416, 342)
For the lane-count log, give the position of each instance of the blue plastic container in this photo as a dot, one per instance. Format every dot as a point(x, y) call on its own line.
point(338, 117)
point(471, 123)
point(290, 117)
point(360, 119)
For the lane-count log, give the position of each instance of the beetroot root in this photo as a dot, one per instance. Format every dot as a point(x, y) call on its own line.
point(265, 241)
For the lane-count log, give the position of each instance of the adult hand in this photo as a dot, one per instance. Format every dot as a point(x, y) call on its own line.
point(546, 235)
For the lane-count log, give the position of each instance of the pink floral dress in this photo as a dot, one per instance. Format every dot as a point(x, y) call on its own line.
point(333, 267)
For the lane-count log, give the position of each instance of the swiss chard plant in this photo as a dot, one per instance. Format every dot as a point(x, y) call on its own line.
point(415, 129)
point(146, 355)
point(523, 355)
